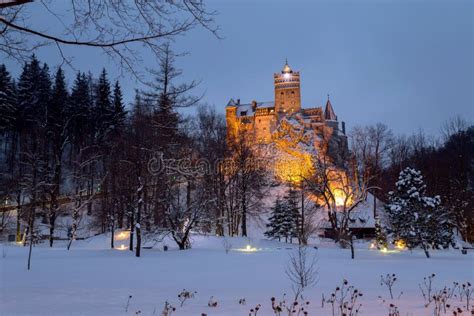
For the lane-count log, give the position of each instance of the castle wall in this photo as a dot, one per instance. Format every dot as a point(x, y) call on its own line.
point(264, 127)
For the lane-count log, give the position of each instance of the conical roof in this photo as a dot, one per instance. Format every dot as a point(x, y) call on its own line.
point(329, 112)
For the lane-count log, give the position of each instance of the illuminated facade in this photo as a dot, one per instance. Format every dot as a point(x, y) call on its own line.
point(263, 121)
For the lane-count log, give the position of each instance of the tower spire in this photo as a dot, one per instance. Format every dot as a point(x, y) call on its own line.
point(286, 68)
point(329, 113)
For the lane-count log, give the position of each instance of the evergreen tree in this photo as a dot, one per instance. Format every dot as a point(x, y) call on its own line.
point(7, 100)
point(168, 95)
point(80, 111)
point(103, 108)
point(57, 132)
point(119, 113)
point(275, 225)
point(29, 95)
point(58, 106)
point(416, 218)
point(292, 216)
point(285, 219)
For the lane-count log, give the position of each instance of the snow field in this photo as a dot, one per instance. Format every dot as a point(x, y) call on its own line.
point(93, 280)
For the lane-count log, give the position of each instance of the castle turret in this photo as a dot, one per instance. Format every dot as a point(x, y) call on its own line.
point(231, 117)
point(287, 90)
point(330, 116)
point(329, 113)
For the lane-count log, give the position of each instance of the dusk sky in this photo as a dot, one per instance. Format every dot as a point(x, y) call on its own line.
point(408, 64)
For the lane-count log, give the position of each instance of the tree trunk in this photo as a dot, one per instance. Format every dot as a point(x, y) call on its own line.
point(303, 240)
point(18, 213)
point(139, 240)
point(427, 254)
point(132, 228)
point(31, 224)
point(139, 211)
point(52, 222)
point(18, 228)
point(375, 206)
point(352, 247)
point(54, 207)
point(112, 233)
point(244, 216)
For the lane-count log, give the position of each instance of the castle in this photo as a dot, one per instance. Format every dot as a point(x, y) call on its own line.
point(262, 119)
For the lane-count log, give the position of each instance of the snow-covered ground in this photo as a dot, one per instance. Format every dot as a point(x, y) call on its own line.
point(91, 279)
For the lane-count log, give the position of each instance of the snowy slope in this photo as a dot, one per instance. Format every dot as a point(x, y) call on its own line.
point(91, 279)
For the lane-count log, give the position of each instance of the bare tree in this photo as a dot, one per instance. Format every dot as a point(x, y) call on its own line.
point(246, 178)
point(454, 126)
point(371, 146)
point(302, 270)
point(339, 192)
point(211, 146)
point(34, 184)
point(138, 228)
point(120, 29)
point(186, 210)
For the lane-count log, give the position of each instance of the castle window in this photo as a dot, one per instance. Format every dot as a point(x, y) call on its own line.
point(292, 92)
point(260, 121)
point(243, 113)
point(282, 93)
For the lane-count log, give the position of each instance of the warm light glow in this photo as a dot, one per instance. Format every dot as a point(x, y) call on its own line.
point(247, 248)
point(339, 197)
point(372, 246)
point(293, 169)
point(400, 244)
point(287, 76)
point(339, 185)
point(122, 247)
point(386, 250)
point(122, 235)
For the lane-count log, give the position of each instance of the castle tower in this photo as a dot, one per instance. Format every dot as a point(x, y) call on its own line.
point(287, 90)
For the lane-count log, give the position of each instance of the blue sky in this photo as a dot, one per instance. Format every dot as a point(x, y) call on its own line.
point(409, 64)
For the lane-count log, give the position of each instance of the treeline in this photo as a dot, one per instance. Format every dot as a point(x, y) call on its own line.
point(75, 151)
point(55, 140)
point(447, 166)
point(446, 163)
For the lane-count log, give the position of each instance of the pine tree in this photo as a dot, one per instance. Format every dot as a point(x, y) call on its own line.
point(57, 132)
point(166, 96)
point(7, 100)
point(285, 218)
point(416, 218)
point(80, 111)
point(58, 106)
point(292, 216)
point(275, 225)
point(30, 96)
point(103, 108)
point(119, 113)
